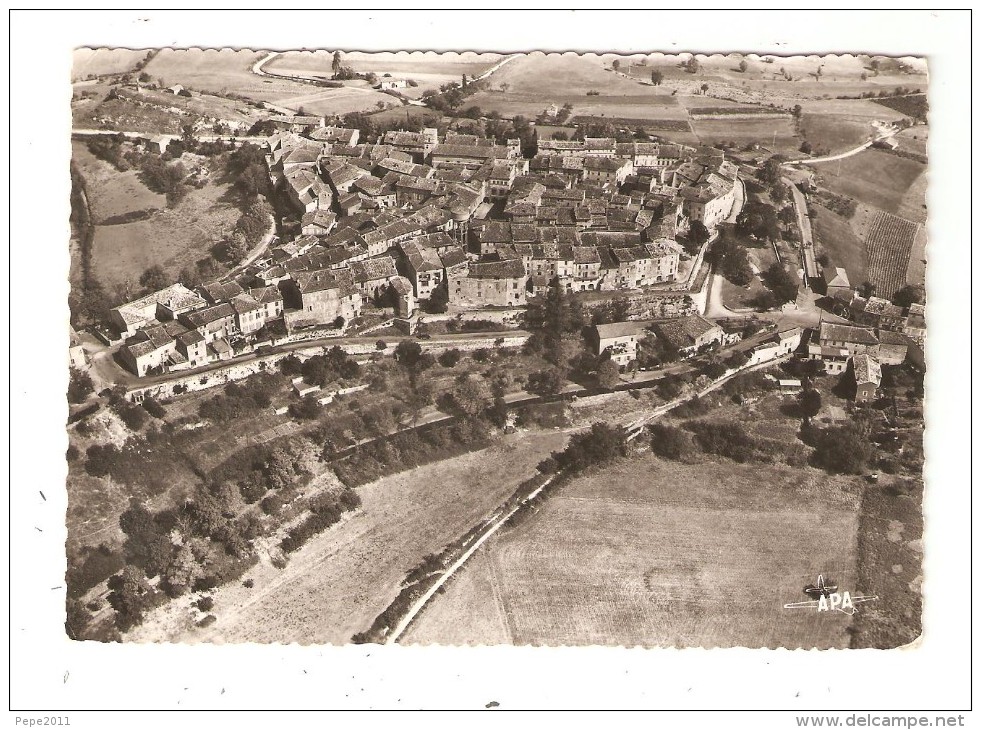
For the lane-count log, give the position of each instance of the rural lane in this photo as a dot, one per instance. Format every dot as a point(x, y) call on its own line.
point(843, 155)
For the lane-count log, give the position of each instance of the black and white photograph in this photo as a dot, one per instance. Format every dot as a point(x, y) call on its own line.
point(378, 346)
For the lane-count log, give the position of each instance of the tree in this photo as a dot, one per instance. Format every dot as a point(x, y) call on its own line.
point(129, 596)
point(743, 66)
point(692, 65)
point(408, 354)
point(154, 279)
point(450, 358)
point(698, 233)
point(843, 449)
point(601, 444)
point(780, 282)
point(809, 403)
point(608, 375)
point(336, 64)
point(470, 397)
point(758, 220)
point(867, 289)
point(670, 442)
point(704, 87)
point(79, 385)
point(545, 382)
point(439, 299)
point(657, 77)
point(381, 345)
point(616, 65)
point(909, 294)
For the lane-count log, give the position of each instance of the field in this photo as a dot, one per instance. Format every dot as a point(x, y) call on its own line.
point(835, 237)
point(99, 61)
point(342, 579)
point(230, 72)
point(913, 139)
point(875, 177)
point(659, 554)
point(777, 133)
point(171, 237)
point(890, 243)
point(430, 70)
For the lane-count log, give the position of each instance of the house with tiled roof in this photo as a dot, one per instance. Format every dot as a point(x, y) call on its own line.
point(618, 341)
point(607, 170)
point(491, 283)
point(876, 312)
point(417, 144)
point(163, 305)
point(318, 223)
point(388, 236)
point(372, 276)
point(322, 297)
point(270, 298)
point(216, 292)
point(422, 266)
point(915, 325)
point(250, 315)
point(691, 334)
point(336, 135)
point(165, 347)
point(868, 377)
point(893, 347)
point(213, 323)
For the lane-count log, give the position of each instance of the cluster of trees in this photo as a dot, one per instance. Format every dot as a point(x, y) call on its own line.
point(844, 449)
point(451, 95)
point(322, 369)
point(730, 259)
point(779, 281)
point(263, 471)
point(602, 444)
point(163, 177)
point(326, 510)
point(759, 220)
point(240, 399)
point(409, 449)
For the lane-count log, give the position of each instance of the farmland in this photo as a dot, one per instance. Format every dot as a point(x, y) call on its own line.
point(835, 237)
point(875, 177)
point(890, 242)
point(336, 585)
point(88, 62)
point(747, 131)
point(565, 576)
point(429, 70)
point(230, 72)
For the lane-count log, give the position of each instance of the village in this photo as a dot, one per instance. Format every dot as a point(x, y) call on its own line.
point(411, 227)
point(395, 300)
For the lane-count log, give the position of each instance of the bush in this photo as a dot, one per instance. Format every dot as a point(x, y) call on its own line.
point(272, 504)
point(723, 438)
point(601, 444)
point(381, 345)
point(205, 603)
point(842, 449)
point(449, 358)
point(670, 442)
point(79, 386)
point(153, 407)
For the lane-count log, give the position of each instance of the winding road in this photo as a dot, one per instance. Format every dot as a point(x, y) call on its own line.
point(861, 148)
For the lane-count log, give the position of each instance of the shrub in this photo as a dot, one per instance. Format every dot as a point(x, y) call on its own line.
point(670, 442)
point(79, 386)
point(723, 438)
point(449, 358)
point(153, 407)
point(205, 603)
point(272, 504)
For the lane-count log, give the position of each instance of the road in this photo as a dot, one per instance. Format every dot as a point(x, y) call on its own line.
point(806, 236)
point(831, 158)
point(113, 374)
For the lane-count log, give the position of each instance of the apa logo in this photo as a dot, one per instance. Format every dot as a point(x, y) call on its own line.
point(829, 599)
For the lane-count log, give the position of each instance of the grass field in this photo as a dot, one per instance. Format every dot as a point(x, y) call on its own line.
point(658, 554)
point(745, 131)
point(171, 237)
point(914, 139)
point(836, 237)
point(229, 71)
point(874, 177)
point(742, 297)
point(99, 61)
point(342, 579)
point(429, 70)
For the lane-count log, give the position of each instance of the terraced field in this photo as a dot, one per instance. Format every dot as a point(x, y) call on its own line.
point(890, 244)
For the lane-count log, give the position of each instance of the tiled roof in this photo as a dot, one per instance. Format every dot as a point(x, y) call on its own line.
point(513, 269)
point(373, 269)
point(845, 333)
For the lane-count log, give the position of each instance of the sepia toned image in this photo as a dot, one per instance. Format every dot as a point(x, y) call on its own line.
point(474, 348)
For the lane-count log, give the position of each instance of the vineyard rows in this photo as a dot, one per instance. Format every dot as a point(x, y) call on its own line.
point(889, 244)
